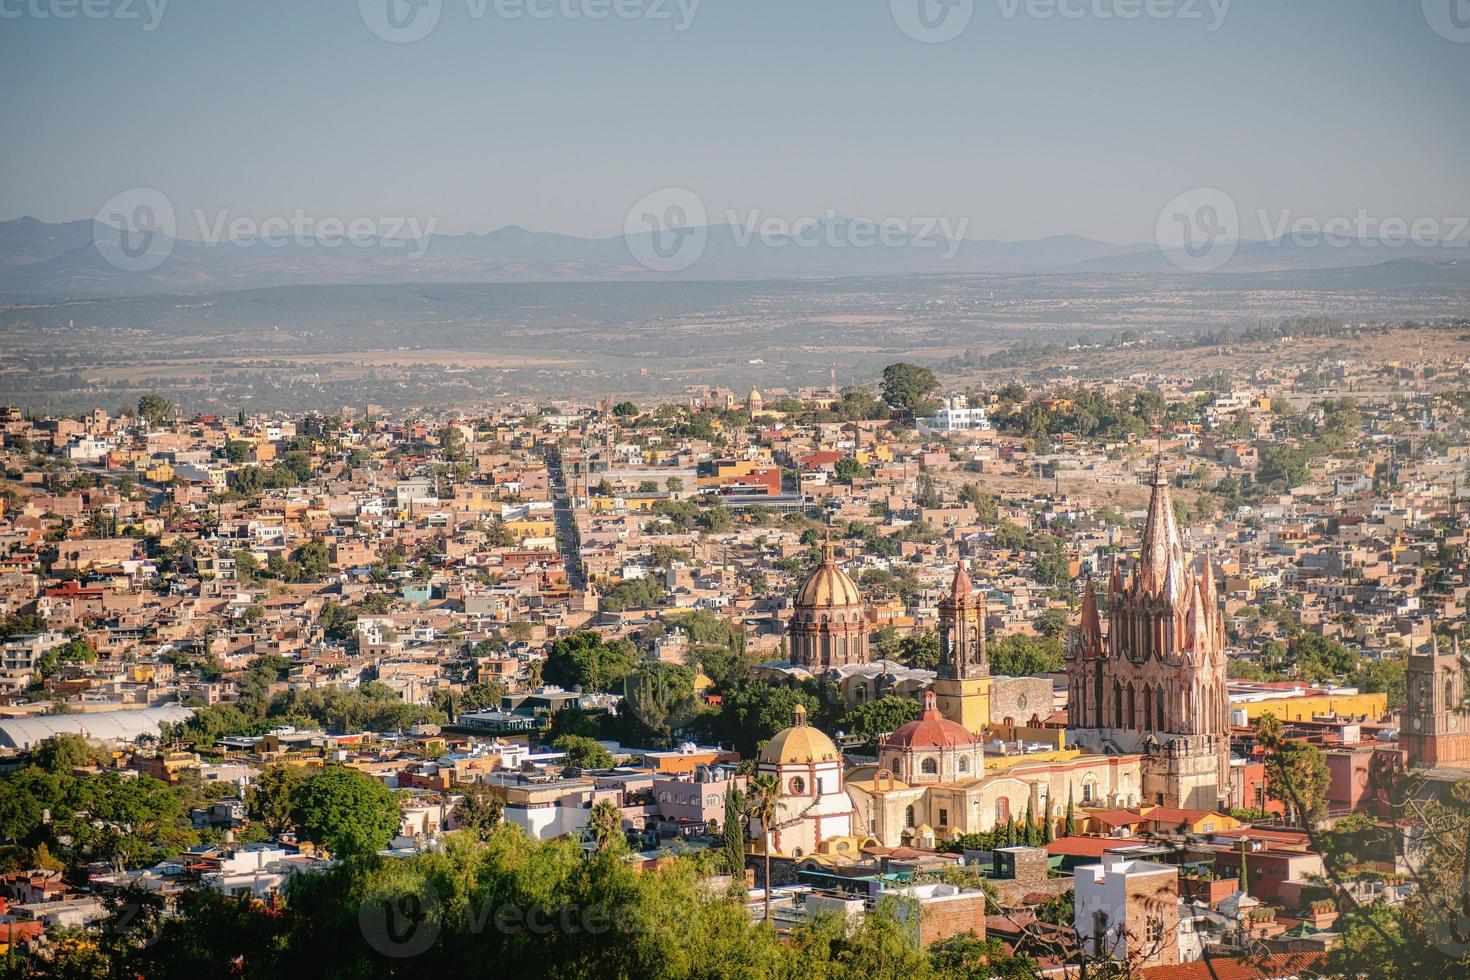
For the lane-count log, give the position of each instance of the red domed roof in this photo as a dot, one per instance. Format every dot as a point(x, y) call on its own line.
point(931, 730)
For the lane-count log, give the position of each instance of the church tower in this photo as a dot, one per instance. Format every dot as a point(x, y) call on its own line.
point(1155, 683)
point(1436, 727)
point(962, 687)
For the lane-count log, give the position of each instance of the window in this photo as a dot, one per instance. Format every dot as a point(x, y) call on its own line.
point(908, 817)
point(1002, 810)
point(712, 800)
point(798, 786)
point(943, 818)
point(929, 767)
point(964, 764)
point(663, 797)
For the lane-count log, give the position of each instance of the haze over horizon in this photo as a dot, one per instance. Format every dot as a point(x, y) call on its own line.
point(1027, 126)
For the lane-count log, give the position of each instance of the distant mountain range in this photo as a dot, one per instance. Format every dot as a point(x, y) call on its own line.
point(88, 259)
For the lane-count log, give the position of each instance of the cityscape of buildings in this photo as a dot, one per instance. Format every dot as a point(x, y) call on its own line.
point(1100, 676)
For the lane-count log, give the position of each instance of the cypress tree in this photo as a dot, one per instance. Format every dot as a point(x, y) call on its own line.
point(1071, 828)
point(734, 836)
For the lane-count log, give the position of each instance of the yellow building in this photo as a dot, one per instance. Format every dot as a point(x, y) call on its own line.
point(160, 471)
point(1372, 706)
point(963, 684)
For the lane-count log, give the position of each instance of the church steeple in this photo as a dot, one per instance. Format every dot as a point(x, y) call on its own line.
point(1155, 683)
point(962, 687)
point(962, 650)
point(1162, 554)
point(1436, 724)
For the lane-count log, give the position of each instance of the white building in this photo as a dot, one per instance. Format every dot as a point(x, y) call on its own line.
point(956, 415)
point(1128, 910)
point(814, 803)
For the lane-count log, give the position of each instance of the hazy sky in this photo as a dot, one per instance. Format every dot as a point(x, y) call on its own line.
point(1025, 125)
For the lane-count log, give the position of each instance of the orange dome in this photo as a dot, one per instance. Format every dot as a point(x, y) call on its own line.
point(801, 743)
point(931, 730)
point(829, 585)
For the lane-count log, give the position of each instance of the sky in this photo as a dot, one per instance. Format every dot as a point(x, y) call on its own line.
point(1027, 123)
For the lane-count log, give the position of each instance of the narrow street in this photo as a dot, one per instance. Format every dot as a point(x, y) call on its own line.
point(566, 527)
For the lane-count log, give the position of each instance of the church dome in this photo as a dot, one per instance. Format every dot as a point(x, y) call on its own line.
point(931, 730)
point(828, 585)
point(801, 743)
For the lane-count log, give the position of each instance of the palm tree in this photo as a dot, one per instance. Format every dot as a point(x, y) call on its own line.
point(763, 803)
point(606, 823)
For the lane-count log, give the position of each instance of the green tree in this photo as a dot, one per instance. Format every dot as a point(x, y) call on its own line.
point(585, 660)
point(1021, 656)
point(733, 832)
point(606, 824)
point(154, 409)
point(63, 753)
point(583, 753)
point(1296, 772)
point(270, 798)
point(660, 699)
point(847, 469)
point(480, 811)
point(345, 811)
point(1052, 623)
point(907, 386)
point(920, 650)
point(878, 717)
point(764, 805)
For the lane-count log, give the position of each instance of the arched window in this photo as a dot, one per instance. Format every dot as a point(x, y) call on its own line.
point(929, 767)
point(908, 817)
point(1117, 705)
point(1148, 709)
point(1132, 707)
point(1159, 705)
point(1449, 693)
